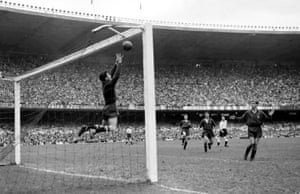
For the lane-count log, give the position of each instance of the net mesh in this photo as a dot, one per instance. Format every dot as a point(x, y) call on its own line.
point(55, 106)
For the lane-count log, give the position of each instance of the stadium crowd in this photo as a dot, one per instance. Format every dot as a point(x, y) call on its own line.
point(55, 134)
point(229, 84)
point(206, 83)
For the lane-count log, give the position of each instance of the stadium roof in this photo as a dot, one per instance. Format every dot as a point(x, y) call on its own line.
point(30, 30)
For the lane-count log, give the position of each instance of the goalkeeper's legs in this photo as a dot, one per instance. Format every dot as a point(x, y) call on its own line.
point(95, 129)
point(100, 129)
point(82, 130)
point(91, 128)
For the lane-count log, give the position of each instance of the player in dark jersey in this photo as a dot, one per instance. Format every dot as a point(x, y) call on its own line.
point(185, 126)
point(254, 120)
point(109, 80)
point(207, 125)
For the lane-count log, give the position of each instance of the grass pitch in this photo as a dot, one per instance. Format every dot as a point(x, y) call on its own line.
point(116, 168)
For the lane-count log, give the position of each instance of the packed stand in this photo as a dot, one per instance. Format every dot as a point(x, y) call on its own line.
point(54, 134)
point(177, 85)
point(228, 84)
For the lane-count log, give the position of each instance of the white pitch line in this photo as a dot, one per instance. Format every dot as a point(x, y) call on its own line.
point(181, 190)
point(109, 178)
point(79, 175)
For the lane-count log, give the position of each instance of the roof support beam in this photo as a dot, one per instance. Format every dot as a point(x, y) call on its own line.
point(80, 53)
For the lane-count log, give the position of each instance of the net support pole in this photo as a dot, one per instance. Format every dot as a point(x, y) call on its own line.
point(149, 101)
point(17, 121)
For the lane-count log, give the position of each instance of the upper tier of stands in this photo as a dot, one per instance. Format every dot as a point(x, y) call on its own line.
point(177, 85)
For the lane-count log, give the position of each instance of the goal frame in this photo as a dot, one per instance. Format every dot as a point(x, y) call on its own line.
point(149, 90)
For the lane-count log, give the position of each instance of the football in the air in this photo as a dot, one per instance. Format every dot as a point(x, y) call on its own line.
point(127, 45)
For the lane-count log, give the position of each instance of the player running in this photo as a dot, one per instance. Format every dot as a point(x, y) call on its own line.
point(110, 112)
point(222, 133)
point(254, 120)
point(207, 125)
point(185, 126)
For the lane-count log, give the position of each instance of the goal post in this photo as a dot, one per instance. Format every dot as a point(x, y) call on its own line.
point(149, 92)
point(17, 122)
point(149, 101)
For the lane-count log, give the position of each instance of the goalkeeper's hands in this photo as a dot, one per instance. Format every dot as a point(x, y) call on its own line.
point(119, 58)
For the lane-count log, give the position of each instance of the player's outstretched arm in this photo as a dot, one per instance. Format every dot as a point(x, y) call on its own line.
point(115, 73)
point(233, 117)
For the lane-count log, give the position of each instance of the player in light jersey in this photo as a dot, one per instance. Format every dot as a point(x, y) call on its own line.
point(222, 133)
point(129, 136)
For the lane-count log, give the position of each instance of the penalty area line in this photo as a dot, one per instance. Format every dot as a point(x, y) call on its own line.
point(80, 175)
point(180, 190)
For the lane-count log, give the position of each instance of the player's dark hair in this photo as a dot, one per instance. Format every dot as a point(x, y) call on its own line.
point(102, 76)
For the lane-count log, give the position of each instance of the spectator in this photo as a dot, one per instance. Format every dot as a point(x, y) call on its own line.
point(229, 83)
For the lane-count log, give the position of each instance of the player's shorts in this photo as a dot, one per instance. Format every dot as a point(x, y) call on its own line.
point(257, 133)
point(129, 135)
point(208, 134)
point(110, 111)
point(185, 137)
point(185, 132)
point(223, 133)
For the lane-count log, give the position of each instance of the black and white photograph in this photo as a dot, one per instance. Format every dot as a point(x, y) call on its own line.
point(149, 97)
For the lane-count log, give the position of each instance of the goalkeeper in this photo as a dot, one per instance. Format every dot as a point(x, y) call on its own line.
point(110, 112)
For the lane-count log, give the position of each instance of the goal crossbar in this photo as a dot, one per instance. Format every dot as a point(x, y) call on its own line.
point(79, 54)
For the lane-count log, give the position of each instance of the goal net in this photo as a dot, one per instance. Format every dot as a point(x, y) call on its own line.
point(6, 123)
point(54, 106)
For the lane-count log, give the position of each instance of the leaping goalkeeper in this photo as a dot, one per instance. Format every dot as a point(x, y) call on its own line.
point(110, 112)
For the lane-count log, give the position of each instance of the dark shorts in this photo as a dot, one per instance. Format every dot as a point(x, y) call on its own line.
point(255, 133)
point(185, 137)
point(128, 135)
point(223, 133)
point(110, 111)
point(208, 134)
point(187, 132)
